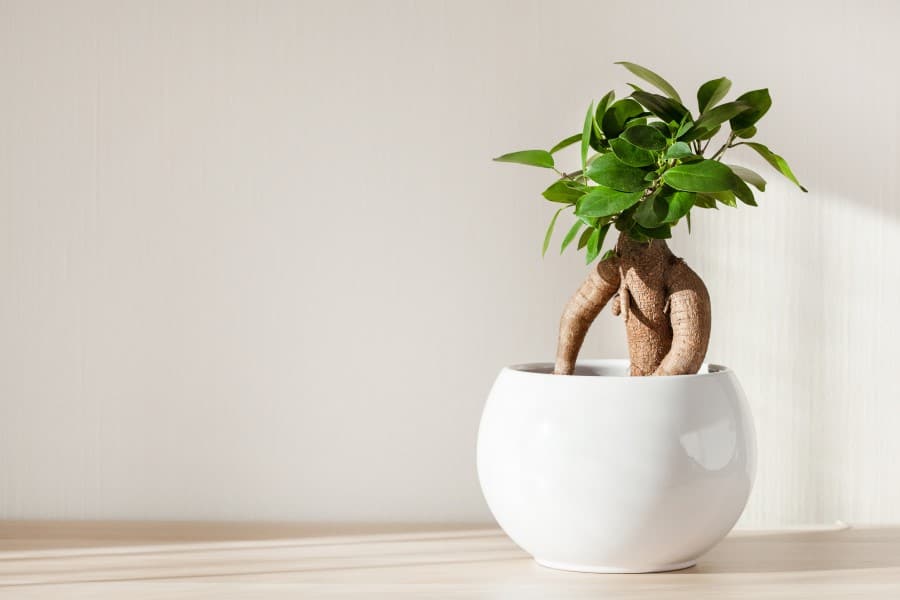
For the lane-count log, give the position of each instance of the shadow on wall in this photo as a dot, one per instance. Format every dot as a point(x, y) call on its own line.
point(803, 292)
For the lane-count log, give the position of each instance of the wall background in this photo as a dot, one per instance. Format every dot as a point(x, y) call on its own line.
point(256, 262)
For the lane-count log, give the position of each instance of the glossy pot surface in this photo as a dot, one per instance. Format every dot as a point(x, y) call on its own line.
point(602, 472)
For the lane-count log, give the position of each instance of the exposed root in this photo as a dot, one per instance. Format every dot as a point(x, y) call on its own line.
point(664, 304)
point(581, 310)
point(690, 318)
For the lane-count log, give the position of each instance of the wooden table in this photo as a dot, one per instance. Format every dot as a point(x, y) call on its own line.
point(73, 560)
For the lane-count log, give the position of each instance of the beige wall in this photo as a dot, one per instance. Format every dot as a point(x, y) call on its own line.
point(256, 263)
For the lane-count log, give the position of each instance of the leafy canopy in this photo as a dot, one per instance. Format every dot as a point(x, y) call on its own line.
point(644, 162)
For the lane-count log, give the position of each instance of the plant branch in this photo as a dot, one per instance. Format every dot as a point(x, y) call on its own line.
point(724, 147)
point(569, 176)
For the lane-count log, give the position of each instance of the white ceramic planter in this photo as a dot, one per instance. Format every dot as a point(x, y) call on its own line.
point(606, 473)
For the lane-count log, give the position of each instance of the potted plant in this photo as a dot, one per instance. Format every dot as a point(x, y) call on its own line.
point(588, 468)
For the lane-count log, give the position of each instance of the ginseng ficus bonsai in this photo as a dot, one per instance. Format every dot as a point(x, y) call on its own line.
point(646, 161)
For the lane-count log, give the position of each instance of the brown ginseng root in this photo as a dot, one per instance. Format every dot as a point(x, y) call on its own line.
point(664, 304)
point(601, 284)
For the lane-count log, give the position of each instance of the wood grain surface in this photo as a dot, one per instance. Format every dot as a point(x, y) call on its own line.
point(213, 560)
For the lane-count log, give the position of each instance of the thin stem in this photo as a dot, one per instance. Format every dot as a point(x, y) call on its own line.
point(564, 175)
point(724, 147)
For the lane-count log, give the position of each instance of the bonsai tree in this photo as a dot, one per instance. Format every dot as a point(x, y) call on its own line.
point(646, 162)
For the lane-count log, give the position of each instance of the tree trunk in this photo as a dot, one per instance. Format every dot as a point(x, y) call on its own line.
point(665, 306)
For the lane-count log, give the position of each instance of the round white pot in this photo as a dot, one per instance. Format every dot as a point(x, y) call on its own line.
point(605, 473)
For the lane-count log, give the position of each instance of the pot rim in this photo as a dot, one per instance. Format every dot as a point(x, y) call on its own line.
point(618, 365)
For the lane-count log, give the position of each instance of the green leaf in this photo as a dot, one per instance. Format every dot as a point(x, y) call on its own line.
point(608, 254)
point(664, 108)
point(726, 197)
point(653, 79)
point(604, 103)
point(576, 227)
point(705, 201)
point(565, 143)
point(625, 220)
point(595, 242)
point(593, 246)
point(663, 232)
point(631, 155)
point(617, 115)
point(759, 102)
point(603, 231)
point(586, 134)
point(742, 191)
point(586, 234)
point(611, 172)
point(652, 212)
point(714, 118)
point(685, 126)
point(751, 177)
point(635, 121)
point(534, 158)
point(746, 133)
point(597, 138)
point(701, 176)
point(597, 142)
point(635, 234)
point(680, 203)
point(776, 161)
point(711, 92)
point(687, 216)
point(678, 150)
point(708, 133)
point(589, 221)
point(645, 136)
point(661, 127)
point(603, 202)
point(549, 233)
point(564, 191)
